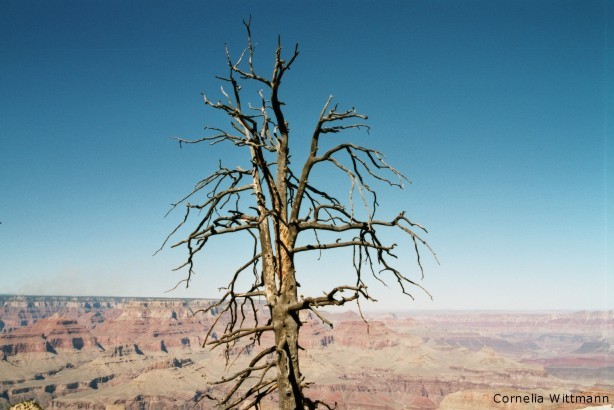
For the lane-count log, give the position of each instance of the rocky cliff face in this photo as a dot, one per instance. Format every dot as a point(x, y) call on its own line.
point(48, 335)
point(123, 353)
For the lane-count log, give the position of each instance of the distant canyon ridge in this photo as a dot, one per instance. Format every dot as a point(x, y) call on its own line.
point(115, 353)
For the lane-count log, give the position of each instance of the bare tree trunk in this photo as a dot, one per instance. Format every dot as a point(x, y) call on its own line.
point(286, 325)
point(286, 330)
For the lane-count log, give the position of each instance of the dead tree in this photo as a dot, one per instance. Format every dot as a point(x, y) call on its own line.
point(275, 205)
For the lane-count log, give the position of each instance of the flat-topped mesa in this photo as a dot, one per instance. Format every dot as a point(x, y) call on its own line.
point(371, 335)
point(154, 326)
point(48, 324)
point(21, 311)
point(48, 335)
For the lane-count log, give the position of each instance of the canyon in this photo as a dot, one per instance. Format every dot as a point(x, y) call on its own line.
point(118, 353)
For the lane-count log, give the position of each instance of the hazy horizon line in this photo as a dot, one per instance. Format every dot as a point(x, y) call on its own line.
point(374, 309)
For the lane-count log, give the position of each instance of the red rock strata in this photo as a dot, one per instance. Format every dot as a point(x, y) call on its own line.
point(123, 353)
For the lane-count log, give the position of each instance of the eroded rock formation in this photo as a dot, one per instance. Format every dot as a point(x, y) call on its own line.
point(123, 353)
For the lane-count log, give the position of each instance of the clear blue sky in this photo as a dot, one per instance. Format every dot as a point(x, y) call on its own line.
point(500, 112)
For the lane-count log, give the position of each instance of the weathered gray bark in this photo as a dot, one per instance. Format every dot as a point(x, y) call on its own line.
point(284, 206)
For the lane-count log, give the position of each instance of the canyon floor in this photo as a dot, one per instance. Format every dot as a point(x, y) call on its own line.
point(117, 353)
